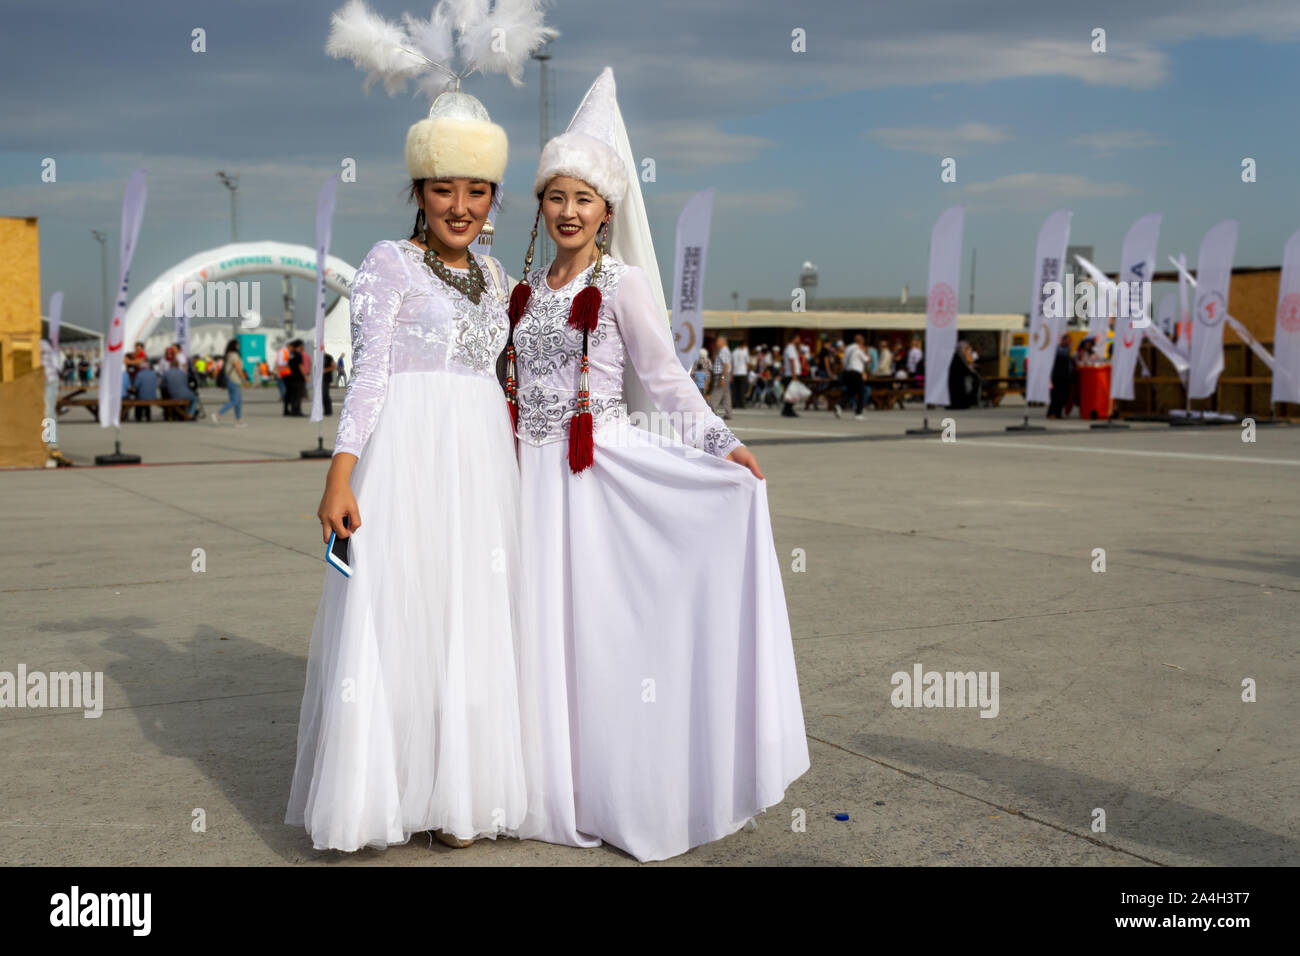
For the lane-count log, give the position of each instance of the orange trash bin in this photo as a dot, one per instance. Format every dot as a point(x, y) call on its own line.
point(1094, 391)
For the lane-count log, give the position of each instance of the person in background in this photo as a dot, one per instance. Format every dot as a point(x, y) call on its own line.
point(915, 356)
point(701, 371)
point(296, 383)
point(789, 371)
point(146, 390)
point(232, 369)
point(326, 378)
point(342, 370)
point(1063, 375)
point(740, 375)
point(884, 359)
point(851, 387)
point(282, 373)
point(720, 387)
point(176, 384)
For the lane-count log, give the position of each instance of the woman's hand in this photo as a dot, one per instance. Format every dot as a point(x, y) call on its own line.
point(338, 499)
point(743, 456)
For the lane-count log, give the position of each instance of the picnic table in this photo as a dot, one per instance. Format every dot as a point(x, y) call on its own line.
point(177, 407)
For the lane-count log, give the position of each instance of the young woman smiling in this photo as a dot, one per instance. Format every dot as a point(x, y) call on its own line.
point(658, 696)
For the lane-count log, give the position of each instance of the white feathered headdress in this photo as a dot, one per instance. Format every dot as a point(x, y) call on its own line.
point(458, 138)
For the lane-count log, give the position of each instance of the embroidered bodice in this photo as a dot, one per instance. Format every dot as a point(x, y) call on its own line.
point(406, 319)
point(548, 359)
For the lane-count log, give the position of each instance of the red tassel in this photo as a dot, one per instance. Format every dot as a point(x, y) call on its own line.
point(514, 415)
point(518, 302)
point(585, 311)
point(581, 443)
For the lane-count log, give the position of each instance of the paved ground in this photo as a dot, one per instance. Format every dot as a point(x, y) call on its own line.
point(1119, 690)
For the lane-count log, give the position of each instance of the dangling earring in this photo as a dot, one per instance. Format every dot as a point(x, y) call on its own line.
point(423, 225)
point(486, 233)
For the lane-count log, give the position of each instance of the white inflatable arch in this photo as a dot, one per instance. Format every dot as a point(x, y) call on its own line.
point(154, 302)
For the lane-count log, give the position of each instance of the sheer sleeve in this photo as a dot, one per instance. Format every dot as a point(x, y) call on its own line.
point(375, 297)
point(668, 384)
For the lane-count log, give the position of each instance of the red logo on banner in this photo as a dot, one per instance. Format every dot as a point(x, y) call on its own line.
point(942, 304)
point(1291, 312)
point(1129, 340)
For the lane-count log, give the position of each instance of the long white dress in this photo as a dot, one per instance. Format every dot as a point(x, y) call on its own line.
point(410, 717)
point(658, 694)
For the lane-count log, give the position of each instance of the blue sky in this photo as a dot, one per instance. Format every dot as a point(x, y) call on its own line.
point(830, 155)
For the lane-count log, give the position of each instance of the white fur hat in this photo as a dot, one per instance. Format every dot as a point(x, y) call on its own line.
point(586, 150)
point(457, 139)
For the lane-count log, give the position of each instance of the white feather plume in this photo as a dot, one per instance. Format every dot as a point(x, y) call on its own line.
point(500, 41)
point(488, 38)
point(374, 45)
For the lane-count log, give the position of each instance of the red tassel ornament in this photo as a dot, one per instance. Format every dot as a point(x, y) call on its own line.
point(518, 302)
point(585, 311)
point(582, 442)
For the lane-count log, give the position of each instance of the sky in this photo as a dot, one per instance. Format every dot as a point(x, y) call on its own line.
point(831, 154)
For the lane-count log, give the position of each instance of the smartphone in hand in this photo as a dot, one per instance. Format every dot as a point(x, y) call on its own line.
point(336, 552)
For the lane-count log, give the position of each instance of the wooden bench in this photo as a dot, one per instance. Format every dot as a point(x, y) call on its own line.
point(174, 406)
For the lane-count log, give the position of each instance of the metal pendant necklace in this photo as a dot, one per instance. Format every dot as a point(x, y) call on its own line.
point(471, 286)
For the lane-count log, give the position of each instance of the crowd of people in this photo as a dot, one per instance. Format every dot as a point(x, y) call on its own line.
point(174, 375)
point(769, 375)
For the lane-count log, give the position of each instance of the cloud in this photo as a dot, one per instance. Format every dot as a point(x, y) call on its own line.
point(942, 140)
point(766, 202)
point(1106, 142)
point(1036, 190)
point(689, 147)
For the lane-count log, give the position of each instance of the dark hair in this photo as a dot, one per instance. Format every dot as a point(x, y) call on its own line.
point(413, 195)
point(231, 346)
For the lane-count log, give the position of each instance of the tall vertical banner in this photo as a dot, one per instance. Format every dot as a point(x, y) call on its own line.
point(56, 315)
point(1137, 265)
point(1213, 274)
point(182, 320)
point(1045, 330)
point(324, 218)
point(688, 276)
point(941, 302)
point(110, 375)
point(1286, 333)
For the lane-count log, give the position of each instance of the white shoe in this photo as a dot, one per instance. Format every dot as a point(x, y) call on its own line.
point(216, 418)
point(836, 410)
point(858, 415)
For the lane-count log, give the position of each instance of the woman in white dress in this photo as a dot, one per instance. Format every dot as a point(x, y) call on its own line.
point(410, 717)
point(659, 701)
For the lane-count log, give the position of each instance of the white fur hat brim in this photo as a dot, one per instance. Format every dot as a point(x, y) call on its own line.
point(447, 146)
point(583, 157)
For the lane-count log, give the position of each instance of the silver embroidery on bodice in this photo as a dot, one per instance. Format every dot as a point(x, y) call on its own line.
point(548, 356)
point(405, 319)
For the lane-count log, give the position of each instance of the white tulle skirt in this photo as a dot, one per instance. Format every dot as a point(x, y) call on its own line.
point(659, 700)
point(410, 716)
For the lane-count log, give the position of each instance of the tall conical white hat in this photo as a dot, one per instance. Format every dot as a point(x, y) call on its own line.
point(588, 148)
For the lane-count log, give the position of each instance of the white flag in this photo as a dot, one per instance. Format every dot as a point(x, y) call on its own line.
point(1213, 274)
point(56, 314)
point(688, 276)
point(1045, 332)
point(324, 216)
point(1286, 333)
point(1137, 264)
point(110, 373)
point(941, 303)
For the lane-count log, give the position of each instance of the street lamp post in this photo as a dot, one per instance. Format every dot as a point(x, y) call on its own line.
point(231, 182)
point(102, 238)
